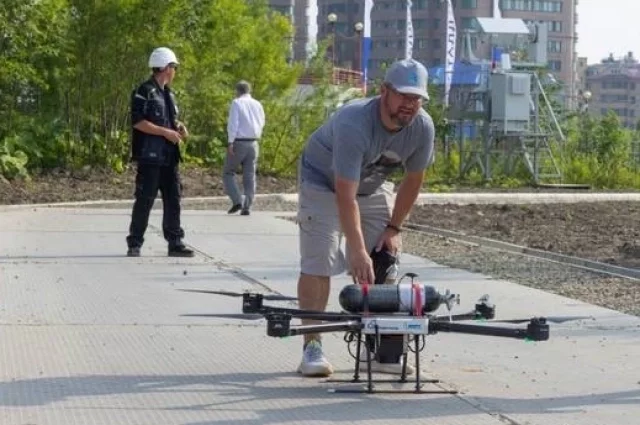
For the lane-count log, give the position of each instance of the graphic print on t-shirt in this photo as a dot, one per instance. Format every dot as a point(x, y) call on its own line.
point(381, 167)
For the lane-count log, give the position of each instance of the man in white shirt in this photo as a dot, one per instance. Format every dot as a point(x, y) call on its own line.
point(244, 129)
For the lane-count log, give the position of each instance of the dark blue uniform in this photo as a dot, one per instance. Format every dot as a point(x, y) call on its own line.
point(158, 161)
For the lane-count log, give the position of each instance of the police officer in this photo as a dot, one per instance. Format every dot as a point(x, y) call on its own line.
point(157, 134)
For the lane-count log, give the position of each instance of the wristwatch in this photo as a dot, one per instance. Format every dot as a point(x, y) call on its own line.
point(394, 227)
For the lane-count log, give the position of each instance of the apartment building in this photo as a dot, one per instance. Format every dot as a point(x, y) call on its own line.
point(296, 11)
point(614, 85)
point(388, 26)
point(561, 18)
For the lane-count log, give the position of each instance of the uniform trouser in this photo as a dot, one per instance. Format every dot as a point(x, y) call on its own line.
point(150, 178)
point(245, 154)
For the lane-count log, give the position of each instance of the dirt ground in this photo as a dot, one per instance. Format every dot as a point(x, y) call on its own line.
point(608, 232)
point(602, 231)
point(90, 185)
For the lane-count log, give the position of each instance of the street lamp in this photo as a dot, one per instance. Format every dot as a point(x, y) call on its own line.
point(358, 28)
point(332, 18)
point(584, 97)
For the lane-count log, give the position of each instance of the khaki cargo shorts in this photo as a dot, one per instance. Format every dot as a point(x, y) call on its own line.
point(321, 252)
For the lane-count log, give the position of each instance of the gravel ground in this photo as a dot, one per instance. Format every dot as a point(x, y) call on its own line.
point(611, 292)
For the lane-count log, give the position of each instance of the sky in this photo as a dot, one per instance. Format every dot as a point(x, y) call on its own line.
point(608, 26)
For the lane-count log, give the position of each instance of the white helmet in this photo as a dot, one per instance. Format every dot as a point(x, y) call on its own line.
point(161, 57)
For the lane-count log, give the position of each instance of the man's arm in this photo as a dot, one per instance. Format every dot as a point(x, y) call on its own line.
point(140, 123)
point(150, 128)
point(348, 155)
point(232, 124)
point(360, 263)
point(262, 116)
point(346, 192)
point(412, 183)
point(406, 196)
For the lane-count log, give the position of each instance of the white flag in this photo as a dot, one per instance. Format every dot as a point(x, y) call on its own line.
point(408, 44)
point(497, 13)
point(450, 49)
point(366, 44)
point(312, 28)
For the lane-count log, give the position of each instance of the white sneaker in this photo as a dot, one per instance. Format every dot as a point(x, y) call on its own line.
point(313, 361)
point(391, 368)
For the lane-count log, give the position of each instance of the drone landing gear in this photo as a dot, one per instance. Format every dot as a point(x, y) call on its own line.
point(369, 382)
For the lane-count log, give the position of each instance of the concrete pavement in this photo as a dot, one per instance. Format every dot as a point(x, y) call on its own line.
point(89, 336)
point(461, 198)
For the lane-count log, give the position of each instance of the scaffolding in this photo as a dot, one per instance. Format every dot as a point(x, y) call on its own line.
point(502, 116)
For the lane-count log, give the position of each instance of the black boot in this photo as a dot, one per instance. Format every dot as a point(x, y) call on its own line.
point(180, 251)
point(133, 251)
point(234, 209)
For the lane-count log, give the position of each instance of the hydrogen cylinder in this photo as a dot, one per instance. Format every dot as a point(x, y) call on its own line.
point(400, 298)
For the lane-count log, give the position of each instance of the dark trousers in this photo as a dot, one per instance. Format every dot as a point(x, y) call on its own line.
point(149, 179)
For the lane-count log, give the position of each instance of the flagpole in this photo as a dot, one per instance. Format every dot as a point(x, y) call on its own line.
point(312, 28)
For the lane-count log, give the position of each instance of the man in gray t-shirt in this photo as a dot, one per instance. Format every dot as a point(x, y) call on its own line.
point(343, 190)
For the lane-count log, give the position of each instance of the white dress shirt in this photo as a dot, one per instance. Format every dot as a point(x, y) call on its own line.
point(246, 118)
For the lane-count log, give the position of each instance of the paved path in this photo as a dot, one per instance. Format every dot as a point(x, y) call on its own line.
point(90, 337)
point(424, 198)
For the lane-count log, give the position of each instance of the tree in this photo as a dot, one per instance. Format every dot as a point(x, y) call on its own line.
point(32, 47)
point(31, 34)
point(69, 67)
point(221, 42)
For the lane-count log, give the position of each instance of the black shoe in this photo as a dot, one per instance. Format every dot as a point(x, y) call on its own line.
point(234, 209)
point(180, 251)
point(133, 251)
point(245, 212)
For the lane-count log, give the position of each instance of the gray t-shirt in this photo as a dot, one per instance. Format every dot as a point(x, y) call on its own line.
point(354, 145)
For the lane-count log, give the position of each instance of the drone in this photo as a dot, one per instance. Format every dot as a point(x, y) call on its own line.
point(387, 319)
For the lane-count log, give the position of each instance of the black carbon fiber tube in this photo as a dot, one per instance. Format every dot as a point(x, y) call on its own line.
point(398, 298)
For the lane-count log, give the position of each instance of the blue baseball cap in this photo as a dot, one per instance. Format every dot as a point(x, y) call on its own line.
point(408, 76)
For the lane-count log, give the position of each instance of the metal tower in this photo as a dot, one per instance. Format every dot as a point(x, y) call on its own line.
point(508, 103)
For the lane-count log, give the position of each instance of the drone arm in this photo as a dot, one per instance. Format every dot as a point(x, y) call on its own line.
point(303, 314)
point(351, 325)
point(279, 325)
point(457, 317)
point(318, 315)
point(536, 330)
point(484, 310)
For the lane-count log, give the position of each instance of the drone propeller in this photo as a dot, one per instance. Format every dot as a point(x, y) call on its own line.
point(228, 316)
point(551, 319)
point(239, 294)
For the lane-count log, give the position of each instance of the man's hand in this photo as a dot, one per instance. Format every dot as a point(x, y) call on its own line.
point(361, 267)
point(172, 136)
point(391, 239)
point(230, 149)
point(182, 129)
